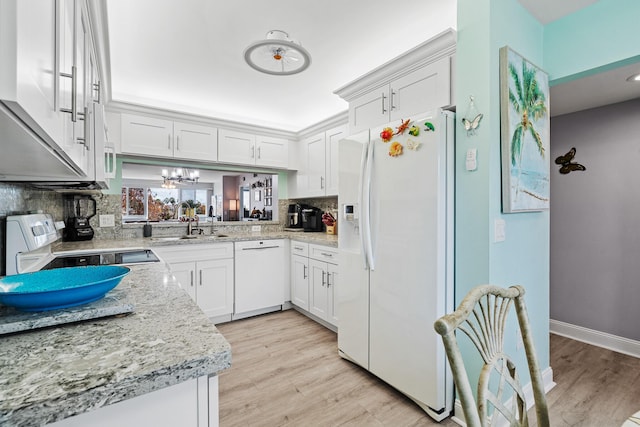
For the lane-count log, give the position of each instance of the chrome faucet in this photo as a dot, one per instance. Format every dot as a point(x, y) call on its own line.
point(190, 229)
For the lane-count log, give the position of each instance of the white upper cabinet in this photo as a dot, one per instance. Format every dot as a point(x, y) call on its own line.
point(47, 76)
point(151, 136)
point(332, 138)
point(28, 75)
point(254, 150)
point(410, 94)
point(236, 147)
point(272, 152)
point(147, 136)
point(195, 141)
point(317, 174)
point(315, 159)
point(414, 82)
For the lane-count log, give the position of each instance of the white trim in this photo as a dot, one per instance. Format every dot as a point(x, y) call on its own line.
point(597, 338)
point(547, 380)
point(437, 47)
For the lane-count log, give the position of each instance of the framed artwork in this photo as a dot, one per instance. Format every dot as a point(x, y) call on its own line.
point(524, 130)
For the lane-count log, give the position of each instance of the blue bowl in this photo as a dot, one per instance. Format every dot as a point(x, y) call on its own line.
point(59, 288)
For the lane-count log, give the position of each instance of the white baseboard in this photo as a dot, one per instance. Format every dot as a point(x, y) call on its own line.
point(597, 338)
point(547, 380)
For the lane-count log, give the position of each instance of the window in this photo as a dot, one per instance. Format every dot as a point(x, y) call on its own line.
point(159, 204)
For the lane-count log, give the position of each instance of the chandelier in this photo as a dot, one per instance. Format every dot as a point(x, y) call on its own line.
point(179, 175)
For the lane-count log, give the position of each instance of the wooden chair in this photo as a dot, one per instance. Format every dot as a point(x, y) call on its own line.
point(481, 316)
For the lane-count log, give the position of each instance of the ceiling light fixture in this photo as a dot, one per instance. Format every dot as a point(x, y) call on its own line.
point(277, 55)
point(179, 175)
point(634, 78)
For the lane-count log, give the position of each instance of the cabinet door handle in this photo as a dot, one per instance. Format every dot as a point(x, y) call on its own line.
point(84, 140)
point(191, 272)
point(323, 274)
point(304, 271)
point(200, 277)
point(297, 248)
point(328, 275)
point(168, 141)
point(391, 104)
point(96, 89)
point(178, 143)
point(321, 182)
point(74, 90)
point(253, 151)
point(383, 98)
point(258, 152)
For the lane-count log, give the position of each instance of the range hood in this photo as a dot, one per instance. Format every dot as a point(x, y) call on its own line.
point(29, 158)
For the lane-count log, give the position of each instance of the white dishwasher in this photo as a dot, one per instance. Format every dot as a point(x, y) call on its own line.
point(259, 275)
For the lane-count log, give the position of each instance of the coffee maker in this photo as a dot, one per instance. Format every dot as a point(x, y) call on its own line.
point(312, 219)
point(78, 210)
point(294, 218)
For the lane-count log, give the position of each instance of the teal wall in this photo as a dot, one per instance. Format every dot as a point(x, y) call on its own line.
point(603, 35)
point(484, 26)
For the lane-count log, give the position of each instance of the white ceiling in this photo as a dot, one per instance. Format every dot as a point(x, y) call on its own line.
point(187, 55)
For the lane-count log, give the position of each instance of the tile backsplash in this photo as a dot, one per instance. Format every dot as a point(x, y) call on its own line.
point(20, 199)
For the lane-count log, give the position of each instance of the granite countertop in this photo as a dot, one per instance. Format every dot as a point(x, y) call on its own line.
point(150, 242)
point(50, 374)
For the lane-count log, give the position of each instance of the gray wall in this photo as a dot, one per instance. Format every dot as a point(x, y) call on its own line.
point(595, 220)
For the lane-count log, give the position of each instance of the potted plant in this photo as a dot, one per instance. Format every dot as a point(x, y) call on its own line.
point(189, 207)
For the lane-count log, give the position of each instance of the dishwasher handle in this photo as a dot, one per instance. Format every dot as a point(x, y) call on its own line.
point(257, 248)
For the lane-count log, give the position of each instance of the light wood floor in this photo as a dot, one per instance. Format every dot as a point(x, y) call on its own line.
point(595, 387)
point(286, 372)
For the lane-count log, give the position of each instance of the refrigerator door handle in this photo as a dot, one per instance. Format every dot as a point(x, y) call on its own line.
point(367, 205)
point(362, 223)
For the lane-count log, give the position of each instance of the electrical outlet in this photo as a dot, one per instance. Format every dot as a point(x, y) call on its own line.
point(256, 228)
point(107, 221)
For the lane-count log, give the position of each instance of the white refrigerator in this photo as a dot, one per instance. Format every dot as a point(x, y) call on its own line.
point(396, 255)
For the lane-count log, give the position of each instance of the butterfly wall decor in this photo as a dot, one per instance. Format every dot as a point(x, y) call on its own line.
point(567, 164)
point(471, 126)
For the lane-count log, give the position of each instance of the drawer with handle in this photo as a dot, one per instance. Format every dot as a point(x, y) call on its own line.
point(299, 248)
point(323, 253)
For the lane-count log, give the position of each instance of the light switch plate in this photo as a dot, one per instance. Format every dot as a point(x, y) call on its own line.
point(107, 221)
point(471, 162)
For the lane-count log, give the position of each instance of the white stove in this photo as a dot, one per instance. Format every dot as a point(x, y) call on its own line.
point(29, 239)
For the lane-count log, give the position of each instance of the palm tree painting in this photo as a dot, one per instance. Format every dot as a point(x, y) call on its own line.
point(524, 107)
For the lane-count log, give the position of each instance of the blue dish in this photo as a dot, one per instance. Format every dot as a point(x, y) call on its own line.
point(59, 288)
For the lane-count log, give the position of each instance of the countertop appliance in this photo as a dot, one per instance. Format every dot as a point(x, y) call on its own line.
point(78, 210)
point(294, 216)
point(312, 219)
point(28, 248)
point(396, 272)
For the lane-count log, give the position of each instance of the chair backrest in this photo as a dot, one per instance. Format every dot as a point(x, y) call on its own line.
point(481, 316)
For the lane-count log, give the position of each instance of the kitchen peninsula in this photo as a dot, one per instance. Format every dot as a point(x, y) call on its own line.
point(165, 355)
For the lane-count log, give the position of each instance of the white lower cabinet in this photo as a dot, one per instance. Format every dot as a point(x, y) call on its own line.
point(314, 276)
point(205, 272)
point(193, 403)
point(300, 274)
